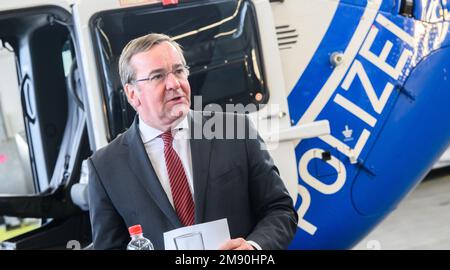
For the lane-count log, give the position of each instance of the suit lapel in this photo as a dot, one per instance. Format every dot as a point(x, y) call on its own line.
point(143, 170)
point(200, 152)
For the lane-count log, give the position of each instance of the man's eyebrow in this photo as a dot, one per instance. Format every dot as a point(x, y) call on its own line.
point(158, 70)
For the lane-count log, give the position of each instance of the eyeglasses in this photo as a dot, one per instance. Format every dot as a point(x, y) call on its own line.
point(160, 76)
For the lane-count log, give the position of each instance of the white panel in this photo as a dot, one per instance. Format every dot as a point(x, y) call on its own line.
point(311, 19)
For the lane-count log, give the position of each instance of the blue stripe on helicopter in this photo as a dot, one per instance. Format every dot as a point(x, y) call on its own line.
point(345, 22)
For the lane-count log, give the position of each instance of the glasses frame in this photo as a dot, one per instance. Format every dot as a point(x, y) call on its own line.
point(166, 74)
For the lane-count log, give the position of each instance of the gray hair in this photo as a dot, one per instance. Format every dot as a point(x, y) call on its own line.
point(138, 45)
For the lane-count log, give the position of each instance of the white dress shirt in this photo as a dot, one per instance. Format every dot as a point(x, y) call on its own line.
point(154, 146)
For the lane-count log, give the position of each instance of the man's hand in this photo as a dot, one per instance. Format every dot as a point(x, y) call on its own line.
point(236, 244)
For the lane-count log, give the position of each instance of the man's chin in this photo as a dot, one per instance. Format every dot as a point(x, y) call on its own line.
point(179, 111)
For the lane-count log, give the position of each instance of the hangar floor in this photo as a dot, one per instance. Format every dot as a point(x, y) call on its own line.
point(421, 221)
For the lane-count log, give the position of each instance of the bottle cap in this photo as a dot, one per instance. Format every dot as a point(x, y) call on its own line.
point(136, 229)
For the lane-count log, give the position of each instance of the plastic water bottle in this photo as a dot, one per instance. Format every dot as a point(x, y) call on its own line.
point(138, 241)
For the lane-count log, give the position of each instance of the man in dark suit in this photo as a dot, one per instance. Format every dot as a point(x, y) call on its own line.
point(162, 175)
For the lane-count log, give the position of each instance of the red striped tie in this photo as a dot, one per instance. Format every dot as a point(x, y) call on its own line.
point(182, 197)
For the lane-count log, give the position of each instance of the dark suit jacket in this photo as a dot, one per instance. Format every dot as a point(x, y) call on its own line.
point(233, 179)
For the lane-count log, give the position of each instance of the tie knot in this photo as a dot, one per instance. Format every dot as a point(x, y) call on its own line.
point(167, 138)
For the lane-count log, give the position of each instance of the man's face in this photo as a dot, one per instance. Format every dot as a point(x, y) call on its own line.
point(159, 102)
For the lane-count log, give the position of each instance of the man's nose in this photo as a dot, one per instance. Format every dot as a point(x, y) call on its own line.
point(172, 81)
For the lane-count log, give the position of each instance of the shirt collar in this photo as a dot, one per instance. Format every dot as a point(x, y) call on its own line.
point(149, 133)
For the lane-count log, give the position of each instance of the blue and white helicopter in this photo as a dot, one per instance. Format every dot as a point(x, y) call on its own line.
point(361, 90)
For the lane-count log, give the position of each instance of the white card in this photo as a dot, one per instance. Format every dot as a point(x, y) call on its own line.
point(207, 236)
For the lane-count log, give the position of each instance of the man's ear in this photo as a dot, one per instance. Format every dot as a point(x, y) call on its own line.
point(130, 91)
